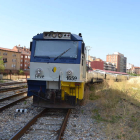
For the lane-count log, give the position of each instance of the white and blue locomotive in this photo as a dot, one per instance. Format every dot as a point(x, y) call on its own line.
point(57, 69)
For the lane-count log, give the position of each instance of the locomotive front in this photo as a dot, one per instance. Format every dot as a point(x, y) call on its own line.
point(57, 69)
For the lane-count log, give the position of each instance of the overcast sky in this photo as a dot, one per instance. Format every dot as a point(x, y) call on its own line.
point(106, 25)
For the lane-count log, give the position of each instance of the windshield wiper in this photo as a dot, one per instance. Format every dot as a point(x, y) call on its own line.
point(61, 54)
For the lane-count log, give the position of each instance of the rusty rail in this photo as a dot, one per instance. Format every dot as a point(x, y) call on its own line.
point(11, 96)
point(12, 103)
point(63, 126)
point(12, 83)
point(12, 88)
point(21, 132)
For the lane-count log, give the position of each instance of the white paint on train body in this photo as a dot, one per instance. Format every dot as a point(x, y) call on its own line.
point(52, 71)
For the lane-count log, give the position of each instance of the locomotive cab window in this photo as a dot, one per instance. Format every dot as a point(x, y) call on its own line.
point(67, 49)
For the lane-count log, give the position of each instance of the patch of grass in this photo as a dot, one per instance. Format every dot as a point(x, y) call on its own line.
point(1, 81)
point(92, 96)
point(118, 107)
point(91, 88)
point(110, 119)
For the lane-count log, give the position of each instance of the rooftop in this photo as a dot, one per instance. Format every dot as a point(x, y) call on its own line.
point(10, 50)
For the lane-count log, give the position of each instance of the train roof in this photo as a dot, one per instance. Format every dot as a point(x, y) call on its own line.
point(73, 37)
point(113, 72)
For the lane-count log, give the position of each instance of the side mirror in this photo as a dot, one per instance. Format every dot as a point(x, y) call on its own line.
point(83, 48)
point(30, 46)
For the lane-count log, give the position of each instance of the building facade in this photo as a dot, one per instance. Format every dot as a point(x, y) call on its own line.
point(11, 59)
point(109, 66)
point(119, 60)
point(25, 57)
point(129, 68)
point(136, 70)
point(97, 65)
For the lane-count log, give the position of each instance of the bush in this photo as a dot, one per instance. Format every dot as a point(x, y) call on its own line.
point(21, 72)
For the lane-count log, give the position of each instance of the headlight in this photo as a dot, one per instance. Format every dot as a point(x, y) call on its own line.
point(69, 72)
point(59, 35)
point(53, 35)
point(39, 71)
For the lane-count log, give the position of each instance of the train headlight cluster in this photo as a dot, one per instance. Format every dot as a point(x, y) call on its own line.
point(57, 35)
point(53, 35)
point(69, 72)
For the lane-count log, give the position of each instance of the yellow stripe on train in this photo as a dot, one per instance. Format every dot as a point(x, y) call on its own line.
point(72, 89)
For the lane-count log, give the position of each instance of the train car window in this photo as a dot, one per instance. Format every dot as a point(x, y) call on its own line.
point(83, 47)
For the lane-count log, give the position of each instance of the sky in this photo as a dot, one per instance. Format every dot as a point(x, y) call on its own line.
point(107, 26)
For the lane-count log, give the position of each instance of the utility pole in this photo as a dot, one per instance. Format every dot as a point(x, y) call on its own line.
point(88, 48)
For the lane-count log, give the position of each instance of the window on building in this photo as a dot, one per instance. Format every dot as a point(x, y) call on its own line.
point(25, 60)
point(21, 56)
point(25, 65)
point(4, 60)
point(21, 60)
point(13, 60)
point(28, 56)
point(4, 53)
point(5, 65)
point(21, 65)
point(14, 55)
point(25, 56)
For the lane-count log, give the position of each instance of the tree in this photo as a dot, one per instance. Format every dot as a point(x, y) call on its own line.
point(21, 72)
point(1, 64)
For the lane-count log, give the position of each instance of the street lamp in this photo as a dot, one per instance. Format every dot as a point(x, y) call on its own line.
point(88, 48)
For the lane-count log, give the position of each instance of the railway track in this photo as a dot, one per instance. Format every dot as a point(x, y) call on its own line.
point(11, 83)
point(12, 88)
point(11, 100)
point(48, 124)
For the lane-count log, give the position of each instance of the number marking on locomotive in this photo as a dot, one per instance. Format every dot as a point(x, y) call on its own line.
point(73, 78)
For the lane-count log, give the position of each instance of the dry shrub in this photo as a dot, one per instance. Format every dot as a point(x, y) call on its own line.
point(118, 106)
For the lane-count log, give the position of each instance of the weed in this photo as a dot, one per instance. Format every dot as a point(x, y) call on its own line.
point(118, 107)
point(91, 88)
point(1, 81)
point(92, 96)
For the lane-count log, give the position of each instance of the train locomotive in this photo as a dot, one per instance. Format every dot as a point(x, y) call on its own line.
point(57, 69)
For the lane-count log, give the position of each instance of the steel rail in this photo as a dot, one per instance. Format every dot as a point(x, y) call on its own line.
point(12, 103)
point(12, 88)
point(21, 132)
point(63, 126)
point(11, 96)
point(12, 83)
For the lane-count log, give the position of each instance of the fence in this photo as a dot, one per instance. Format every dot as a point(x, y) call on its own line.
point(15, 77)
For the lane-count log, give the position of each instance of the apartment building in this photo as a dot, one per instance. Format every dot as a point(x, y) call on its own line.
point(91, 58)
point(109, 66)
point(25, 57)
point(119, 60)
point(136, 70)
point(97, 64)
point(129, 68)
point(11, 59)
